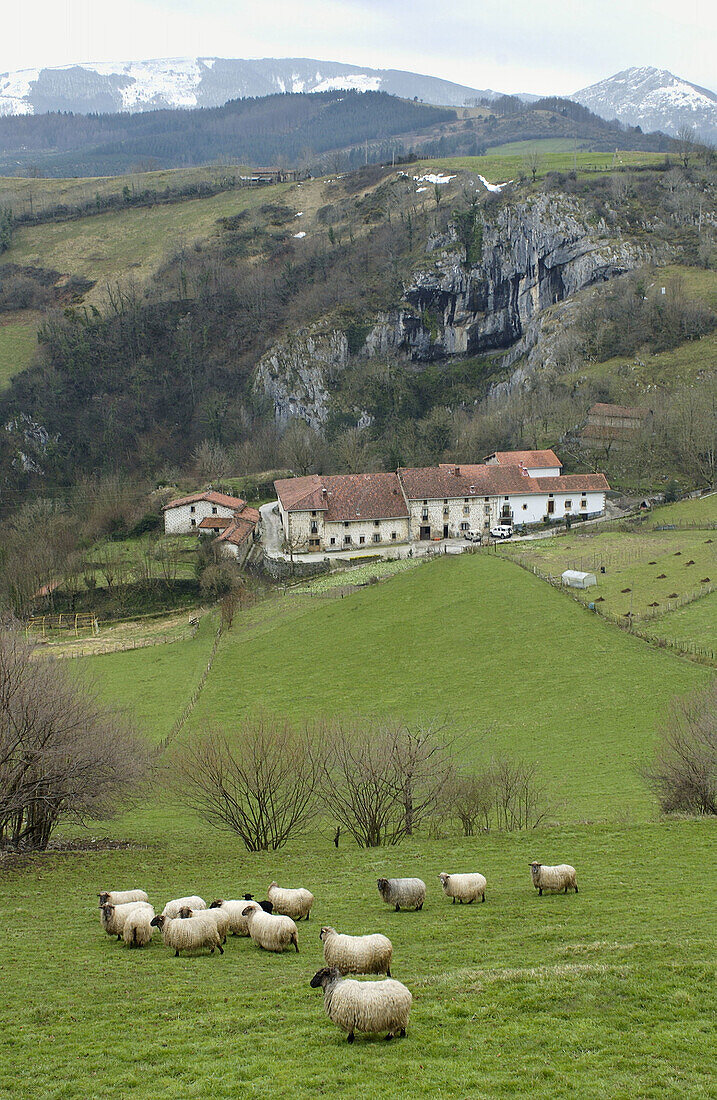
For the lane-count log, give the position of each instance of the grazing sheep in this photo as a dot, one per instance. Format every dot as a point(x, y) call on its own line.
point(561, 877)
point(219, 916)
point(357, 954)
point(462, 888)
point(137, 931)
point(112, 917)
point(121, 897)
point(370, 1007)
point(172, 908)
point(272, 931)
point(290, 903)
point(404, 893)
point(235, 911)
point(189, 933)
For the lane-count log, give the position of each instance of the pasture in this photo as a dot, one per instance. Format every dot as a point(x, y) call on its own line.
point(18, 343)
point(601, 994)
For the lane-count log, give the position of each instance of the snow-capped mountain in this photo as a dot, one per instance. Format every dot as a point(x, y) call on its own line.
point(206, 82)
point(653, 99)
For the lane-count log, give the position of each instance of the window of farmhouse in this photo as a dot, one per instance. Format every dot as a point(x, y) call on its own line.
point(568, 505)
point(424, 514)
point(376, 537)
point(214, 511)
point(362, 539)
point(525, 507)
point(583, 504)
point(465, 526)
point(375, 523)
point(466, 509)
point(393, 535)
point(193, 522)
point(191, 509)
point(346, 524)
point(333, 542)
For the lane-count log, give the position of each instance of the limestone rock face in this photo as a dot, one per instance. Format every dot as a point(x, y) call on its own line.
point(532, 255)
point(299, 372)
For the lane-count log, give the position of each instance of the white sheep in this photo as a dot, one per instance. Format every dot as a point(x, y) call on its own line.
point(467, 887)
point(234, 908)
point(219, 916)
point(121, 897)
point(404, 893)
point(112, 917)
point(137, 930)
point(172, 908)
point(290, 903)
point(561, 877)
point(272, 931)
point(187, 932)
point(357, 954)
point(369, 1006)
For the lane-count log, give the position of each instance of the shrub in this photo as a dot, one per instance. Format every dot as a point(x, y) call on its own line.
point(684, 773)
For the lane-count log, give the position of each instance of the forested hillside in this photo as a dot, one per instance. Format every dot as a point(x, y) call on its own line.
point(339, 130)
point(374, 320)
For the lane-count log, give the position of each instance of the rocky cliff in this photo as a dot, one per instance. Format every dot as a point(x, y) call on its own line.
point(528, 256)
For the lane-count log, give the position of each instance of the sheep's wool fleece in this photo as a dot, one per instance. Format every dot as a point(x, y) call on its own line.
point(122, 897)
point(114, 926)
point(465, 887)
point(137, 929)
point(409, 893)
point(235, 911)
point(191, 933)
point(290, 903)
point(358, 954)
point(368, 1006)
point(172, 908)
point(271, 931)
point(555, 878)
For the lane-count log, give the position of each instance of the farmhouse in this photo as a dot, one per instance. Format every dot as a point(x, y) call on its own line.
point(345, 510)
point(433, 502)
point(229, 519)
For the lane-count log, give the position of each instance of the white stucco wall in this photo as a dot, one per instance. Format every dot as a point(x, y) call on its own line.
point(533, 506)
point(178, 521)
point(544, 471)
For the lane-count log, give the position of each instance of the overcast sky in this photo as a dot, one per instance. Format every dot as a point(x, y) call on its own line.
point(510, 45)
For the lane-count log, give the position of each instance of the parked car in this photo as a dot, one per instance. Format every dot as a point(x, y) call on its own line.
point(502, 531)
point(472, 536)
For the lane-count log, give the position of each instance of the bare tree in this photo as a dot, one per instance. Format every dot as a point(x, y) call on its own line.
point(683, 775)
point(470, 798)
point(260, 781)
point(300, 446)
point(63, 754)
point(381, 783)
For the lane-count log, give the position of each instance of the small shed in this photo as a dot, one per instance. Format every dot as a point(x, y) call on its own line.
point(573, 578)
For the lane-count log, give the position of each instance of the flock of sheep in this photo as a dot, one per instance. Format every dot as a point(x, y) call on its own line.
point(186, 924)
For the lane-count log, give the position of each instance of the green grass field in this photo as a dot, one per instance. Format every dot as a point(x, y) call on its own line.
point(18, 343)
point(442, 641)
point(640, 569)
point(543, 146)
point(695, 624)
point(603, 994)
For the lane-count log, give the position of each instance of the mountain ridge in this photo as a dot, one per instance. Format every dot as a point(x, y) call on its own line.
point(654, 99)
point(136, 86)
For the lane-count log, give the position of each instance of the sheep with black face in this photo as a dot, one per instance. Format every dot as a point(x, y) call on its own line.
point(368, 1006)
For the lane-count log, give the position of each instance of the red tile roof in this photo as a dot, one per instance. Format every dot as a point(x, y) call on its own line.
point(637, 412)
point(300, 494)
point(609, 432)
point(531, 459)
point(573, 483)
point(239, 530)
point(449, 482)
point(344, 496)
point(214, 498)
point(212, 522)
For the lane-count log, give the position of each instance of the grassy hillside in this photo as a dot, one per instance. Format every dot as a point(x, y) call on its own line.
point(444, 642)
point(18, 343)
point(601, 994)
